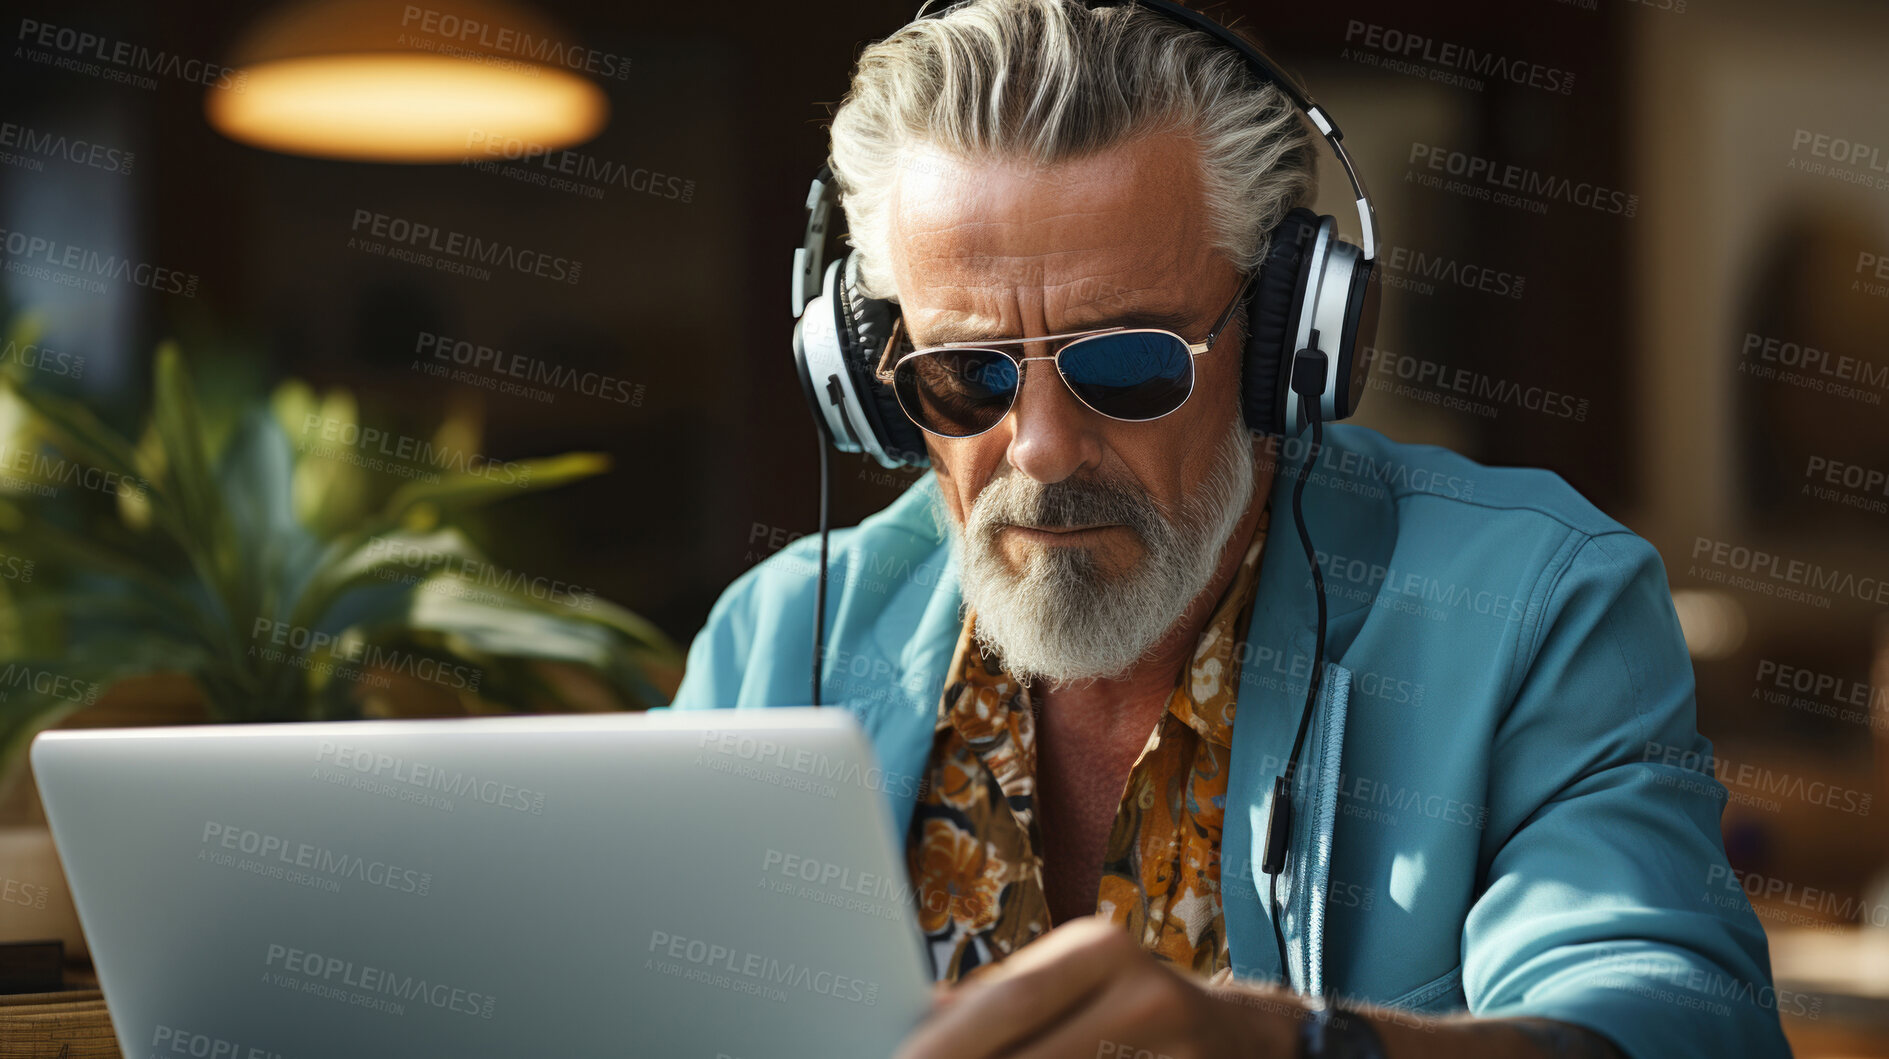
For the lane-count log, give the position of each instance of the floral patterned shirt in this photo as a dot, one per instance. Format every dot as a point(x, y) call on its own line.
point(973, 847)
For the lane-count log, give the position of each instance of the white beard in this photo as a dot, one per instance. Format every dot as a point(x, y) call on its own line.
point(1062, 617)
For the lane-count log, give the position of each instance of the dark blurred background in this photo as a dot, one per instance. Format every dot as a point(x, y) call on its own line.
point(1649, 347)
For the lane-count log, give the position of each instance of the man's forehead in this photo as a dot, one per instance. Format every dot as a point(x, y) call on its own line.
point(1090, 240)
point(1083, 304)
point(1138, 199)
point(981, 299)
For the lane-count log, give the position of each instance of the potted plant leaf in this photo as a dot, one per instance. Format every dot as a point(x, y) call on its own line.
point(276, 581)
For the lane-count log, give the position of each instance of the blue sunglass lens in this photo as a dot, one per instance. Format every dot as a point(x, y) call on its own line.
point(960, 392)
point(1137, 375)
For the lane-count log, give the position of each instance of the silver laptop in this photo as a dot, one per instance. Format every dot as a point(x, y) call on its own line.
point(715, 884)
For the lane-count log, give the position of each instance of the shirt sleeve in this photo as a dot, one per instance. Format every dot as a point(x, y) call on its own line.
point(717, 660)
point(756, 646)
point(1604, 902)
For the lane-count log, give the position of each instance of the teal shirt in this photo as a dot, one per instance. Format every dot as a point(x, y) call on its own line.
point(1499, 807)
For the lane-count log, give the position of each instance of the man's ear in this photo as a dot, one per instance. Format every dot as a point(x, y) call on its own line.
point(897, 344)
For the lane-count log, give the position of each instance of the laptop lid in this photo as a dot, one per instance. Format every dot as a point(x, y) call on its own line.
point(714, 884)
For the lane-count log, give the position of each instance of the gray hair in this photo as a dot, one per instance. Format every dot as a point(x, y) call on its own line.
point(1043, 81)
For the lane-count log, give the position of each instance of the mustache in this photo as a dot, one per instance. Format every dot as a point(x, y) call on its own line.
point(1016, 499)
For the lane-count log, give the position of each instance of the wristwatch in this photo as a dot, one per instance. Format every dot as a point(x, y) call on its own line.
point(1333, 1034)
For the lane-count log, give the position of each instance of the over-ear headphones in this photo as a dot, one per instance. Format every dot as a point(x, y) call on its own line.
point(1311, 311)
point(1314, 291)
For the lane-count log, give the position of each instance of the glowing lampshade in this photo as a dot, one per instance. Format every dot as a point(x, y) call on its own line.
point(1712, 620)
point(370, 80)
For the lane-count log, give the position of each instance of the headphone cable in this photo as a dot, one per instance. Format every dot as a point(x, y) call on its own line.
point(819, 606)
point(1282, 786)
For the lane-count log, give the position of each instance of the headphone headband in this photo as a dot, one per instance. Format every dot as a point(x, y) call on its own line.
point(1316, 293)
point(821, 195)
point(1273, 74)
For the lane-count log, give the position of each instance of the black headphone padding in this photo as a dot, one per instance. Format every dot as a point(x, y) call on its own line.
point(1270, 328)
point(865, 325)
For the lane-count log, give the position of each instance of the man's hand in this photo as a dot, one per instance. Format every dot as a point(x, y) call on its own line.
point(1085, 990)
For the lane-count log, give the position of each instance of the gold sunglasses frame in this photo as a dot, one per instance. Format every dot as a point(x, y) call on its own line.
point(886, 369)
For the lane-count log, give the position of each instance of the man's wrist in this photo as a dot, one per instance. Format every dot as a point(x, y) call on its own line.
point(1272, 1017)
point(1283, 1023)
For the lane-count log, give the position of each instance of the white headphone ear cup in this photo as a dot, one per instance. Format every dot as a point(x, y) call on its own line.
point(1350, 363)
point(1330, 317)
point(829, 380)
point(816, 360)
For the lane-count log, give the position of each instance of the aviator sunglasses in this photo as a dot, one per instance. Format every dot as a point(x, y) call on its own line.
point(962, 389)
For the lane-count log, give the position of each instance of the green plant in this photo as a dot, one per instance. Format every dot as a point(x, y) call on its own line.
point(277, 578)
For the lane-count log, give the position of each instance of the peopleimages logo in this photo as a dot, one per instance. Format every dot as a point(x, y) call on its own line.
point(526, 369)
point(1508, 184)
point(1824, 904)
point(16, 568)
point(1759, 778)
point(1871, 265)
point(432, 778)
point(39, 358)
point(326, 975)
point(275, 856)
point(1285, 672)
point(1839, 158)
point(42, 144)
point(840, 886)
point(169, 1040)
point(1822, 693)
point(1778, 570)
point(31, 254)
point(1769, 357)
point(1372, 578)
point(47, 684)
point(1414, 271)
point(761, 971)
point(460, 30)
point(763, 752)
point(78, 45)
point(1429, 375)
point(1848, 484)
point(363, 446)
point(1414, 47)
point(1695, 987)
point(416, 236)
point(349, 656)
point(1361, 793)
point(506, 582)
point(18, 892)
point(584, 171)
point(1345, 469)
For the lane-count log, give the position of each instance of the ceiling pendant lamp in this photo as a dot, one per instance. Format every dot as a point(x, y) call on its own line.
point(378, 81)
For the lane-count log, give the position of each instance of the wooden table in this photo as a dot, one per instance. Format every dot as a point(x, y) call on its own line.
point(73, 1024)
point(69, 1024)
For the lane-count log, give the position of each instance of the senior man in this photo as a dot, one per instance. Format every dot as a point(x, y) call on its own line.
point(1086, 640)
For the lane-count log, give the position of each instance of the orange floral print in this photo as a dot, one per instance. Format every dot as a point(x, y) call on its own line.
point(952, 881)
point(971, 851)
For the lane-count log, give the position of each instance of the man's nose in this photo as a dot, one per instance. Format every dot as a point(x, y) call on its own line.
point(1052, 433)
